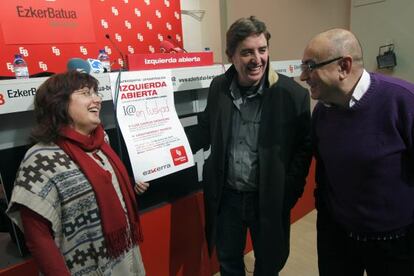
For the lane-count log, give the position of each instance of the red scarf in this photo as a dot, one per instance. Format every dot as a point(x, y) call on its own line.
point(115, 227)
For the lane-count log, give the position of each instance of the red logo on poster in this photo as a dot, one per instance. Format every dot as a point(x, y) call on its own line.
point(39, 22)
point(179, 155)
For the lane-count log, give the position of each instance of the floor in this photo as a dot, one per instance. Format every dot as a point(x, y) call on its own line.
point(9, 253)
point(302, 260)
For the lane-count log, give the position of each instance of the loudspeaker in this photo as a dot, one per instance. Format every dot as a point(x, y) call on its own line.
point(387, 60)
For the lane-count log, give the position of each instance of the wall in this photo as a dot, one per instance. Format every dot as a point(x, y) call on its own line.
point(379, 23)
point(211, 28)
point(202, 33)
point(291, 22)
point(191, 27)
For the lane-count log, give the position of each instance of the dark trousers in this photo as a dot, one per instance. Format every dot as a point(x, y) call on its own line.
point(239, 211)
point(341, 255)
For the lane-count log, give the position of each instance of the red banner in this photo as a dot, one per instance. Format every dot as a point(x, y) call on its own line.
point(41, 22)
point(174, 60)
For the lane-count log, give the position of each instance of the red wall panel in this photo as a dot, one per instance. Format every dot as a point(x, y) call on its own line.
point(136, 26)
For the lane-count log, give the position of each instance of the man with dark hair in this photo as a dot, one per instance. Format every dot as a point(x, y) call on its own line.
point(363, 136)
point(257, 124)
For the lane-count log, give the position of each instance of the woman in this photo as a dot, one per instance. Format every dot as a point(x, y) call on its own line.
point(72, 196)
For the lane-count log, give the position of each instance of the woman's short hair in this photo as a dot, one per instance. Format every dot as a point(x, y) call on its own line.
point(51, 103)
point(241, 29)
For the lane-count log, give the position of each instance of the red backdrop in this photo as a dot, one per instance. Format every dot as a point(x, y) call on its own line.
point(136, 26)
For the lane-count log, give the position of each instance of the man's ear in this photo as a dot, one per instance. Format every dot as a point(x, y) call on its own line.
point(345, 66)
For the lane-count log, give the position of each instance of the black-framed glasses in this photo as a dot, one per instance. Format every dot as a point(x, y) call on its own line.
point(310, 65)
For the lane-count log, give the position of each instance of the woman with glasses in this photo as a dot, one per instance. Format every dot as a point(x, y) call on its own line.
point(73, 197)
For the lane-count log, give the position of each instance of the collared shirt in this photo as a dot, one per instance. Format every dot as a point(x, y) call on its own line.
point(360, 89)
point(243, 162)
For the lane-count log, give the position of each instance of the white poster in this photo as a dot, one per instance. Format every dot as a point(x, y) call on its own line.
point(155, 139)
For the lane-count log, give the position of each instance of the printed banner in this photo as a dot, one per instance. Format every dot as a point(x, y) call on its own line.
point(42, 22)
point(155, 139)
point(172, 60)
point(18, 95)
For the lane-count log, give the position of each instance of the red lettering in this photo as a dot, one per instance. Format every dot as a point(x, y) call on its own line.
point(2, 100)
point(141, 86)
point(138, 94)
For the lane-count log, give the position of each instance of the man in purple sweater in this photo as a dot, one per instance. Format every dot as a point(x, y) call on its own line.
point(363, 138)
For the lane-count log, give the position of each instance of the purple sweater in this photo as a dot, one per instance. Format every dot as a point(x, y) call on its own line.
point(365, 157)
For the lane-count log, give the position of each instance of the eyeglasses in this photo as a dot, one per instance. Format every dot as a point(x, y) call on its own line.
point(87, 92)
point(310, 65)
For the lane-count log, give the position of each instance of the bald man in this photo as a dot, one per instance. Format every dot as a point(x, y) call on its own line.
point(363, 138)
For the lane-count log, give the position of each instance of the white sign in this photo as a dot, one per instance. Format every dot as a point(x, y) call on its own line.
point(289, 68)
point(18, 95)
point(196, 78)
point(16, 98)
point(155, 139)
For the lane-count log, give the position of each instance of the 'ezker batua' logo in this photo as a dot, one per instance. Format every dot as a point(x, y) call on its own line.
point(45, 13)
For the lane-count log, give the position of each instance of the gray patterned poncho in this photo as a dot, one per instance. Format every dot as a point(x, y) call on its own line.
point(51, 184)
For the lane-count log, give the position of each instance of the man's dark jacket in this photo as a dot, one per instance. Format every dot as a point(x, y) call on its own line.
point(284, 153)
